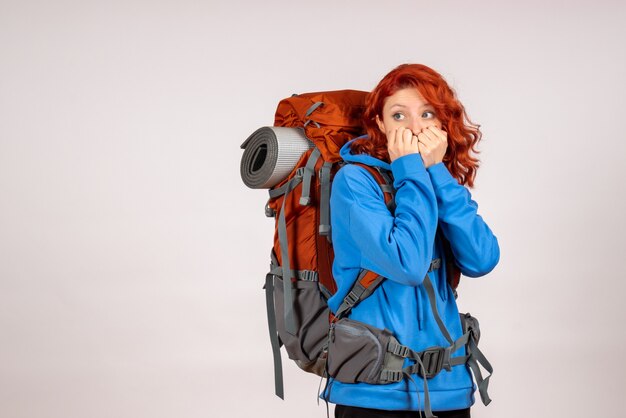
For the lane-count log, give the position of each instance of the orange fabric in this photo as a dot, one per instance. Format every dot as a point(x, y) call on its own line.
point(331, 126)
point(368, 279)
point(339, 118)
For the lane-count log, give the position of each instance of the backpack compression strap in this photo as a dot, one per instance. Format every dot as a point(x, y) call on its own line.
point(287, 273)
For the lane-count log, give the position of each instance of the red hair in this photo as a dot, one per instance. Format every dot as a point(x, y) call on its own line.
point(463, 135)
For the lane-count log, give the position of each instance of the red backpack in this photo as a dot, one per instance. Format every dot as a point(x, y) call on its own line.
point(302, 254)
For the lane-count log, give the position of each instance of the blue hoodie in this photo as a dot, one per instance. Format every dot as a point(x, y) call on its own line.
point(400, 248)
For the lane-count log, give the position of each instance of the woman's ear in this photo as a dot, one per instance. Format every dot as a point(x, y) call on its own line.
point(380, 124)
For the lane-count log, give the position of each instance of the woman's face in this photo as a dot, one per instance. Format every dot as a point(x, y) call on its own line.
point(407, 108)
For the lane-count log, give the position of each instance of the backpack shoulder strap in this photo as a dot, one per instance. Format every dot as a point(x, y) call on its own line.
point(385, 181)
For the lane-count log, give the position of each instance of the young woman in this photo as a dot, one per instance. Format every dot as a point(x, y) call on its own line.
point(417, 129)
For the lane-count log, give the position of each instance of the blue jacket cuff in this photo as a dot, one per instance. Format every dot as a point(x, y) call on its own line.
point(439, 174)
point(410, 165)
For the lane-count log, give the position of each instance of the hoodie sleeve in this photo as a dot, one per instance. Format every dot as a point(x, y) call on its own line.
point(368, 236)
point(474, 246)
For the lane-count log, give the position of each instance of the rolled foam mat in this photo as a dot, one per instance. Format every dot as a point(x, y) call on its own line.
point(270, 154)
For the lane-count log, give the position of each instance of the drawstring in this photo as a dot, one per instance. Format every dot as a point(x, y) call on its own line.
point(319, 388)
point(420, 310)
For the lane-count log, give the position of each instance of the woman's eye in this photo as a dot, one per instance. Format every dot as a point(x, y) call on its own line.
point(397, 116)
point(428, 112)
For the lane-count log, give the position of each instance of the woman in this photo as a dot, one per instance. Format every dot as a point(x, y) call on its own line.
point(417, 129)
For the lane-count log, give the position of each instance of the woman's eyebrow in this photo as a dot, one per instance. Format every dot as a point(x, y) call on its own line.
point(404, 106)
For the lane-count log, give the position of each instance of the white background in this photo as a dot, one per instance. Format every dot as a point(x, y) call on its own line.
point(132, 256)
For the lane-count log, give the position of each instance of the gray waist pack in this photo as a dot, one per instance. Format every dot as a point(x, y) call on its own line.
point(360, 353)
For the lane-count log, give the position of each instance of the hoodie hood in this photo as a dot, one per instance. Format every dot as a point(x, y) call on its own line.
point(361, 158)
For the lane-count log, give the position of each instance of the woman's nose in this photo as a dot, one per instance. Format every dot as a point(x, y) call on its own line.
point(416, 126)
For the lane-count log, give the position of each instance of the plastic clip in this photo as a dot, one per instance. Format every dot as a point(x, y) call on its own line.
point(432, 359)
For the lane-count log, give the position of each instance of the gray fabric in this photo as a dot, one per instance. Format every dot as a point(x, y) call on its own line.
point(450, 361)
point(394, 360)
point(271, 322)
point(476, 357)
point(290, 325)
point(279, 191)
point(309, 172)
point(469, 323)
point(356, 294)
point(311, 316)
point(307, 275)
point(430, 291)
point(354, 355)
point(269, 212)
point(325, 200)
point(427, 408)
point(388, 187)
point(357, 351)
point(303, 275)
point(270, 155)
point(434, 265)
point(312, 109)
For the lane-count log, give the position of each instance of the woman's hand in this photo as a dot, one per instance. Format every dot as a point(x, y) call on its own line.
point(401, 142)
point(432, 145)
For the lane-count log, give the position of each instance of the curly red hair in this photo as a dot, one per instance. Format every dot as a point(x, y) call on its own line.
point(463, 135)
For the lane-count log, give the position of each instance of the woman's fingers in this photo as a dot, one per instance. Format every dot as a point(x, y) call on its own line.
point(400, 142)
point(425, 140)
point(436, 133)
point(407, 135)
point(433, 145)
point(431, 142)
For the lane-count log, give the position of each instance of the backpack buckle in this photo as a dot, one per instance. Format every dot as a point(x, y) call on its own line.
point(351, 299)
point(400, 350)
point(432, 359)
point(389, 376)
